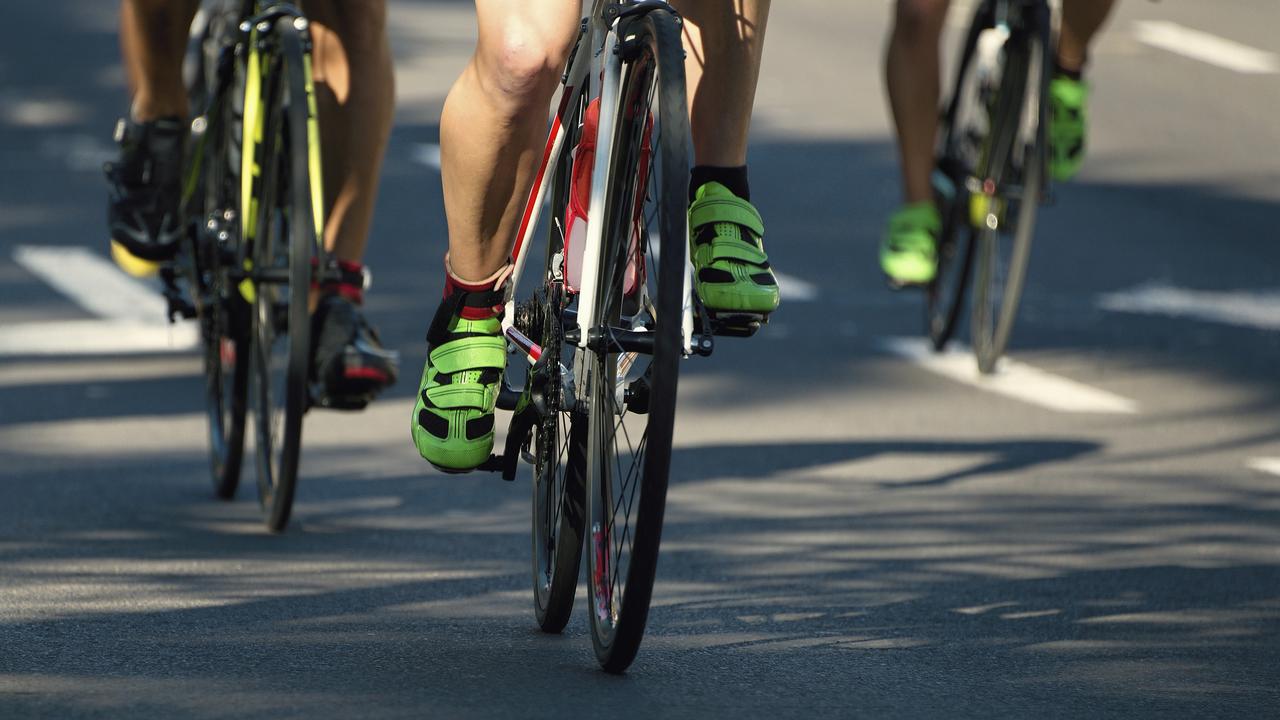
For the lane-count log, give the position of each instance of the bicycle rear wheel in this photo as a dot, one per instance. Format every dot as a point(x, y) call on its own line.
point(630, 369)
point(211, 203)
point(1009, 199)
point(957, 159)
point(560, 434)
point(287, 230)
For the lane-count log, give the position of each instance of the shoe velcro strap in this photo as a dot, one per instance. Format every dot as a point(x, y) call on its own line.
point(470, 354)
point(737, 251)
point(461, 396)
point(482, 298)
point(727, 209)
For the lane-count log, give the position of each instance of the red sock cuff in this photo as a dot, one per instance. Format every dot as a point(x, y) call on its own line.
point(486, 299)
point(349, 284)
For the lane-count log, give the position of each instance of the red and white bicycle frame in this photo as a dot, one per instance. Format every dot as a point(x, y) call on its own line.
point(595, 56)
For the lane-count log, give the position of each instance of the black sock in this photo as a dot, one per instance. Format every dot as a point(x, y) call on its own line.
point(1076, 75)
point(734, 178)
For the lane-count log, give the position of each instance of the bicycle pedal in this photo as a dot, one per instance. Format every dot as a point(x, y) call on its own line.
point(499, 464)
point(734, 324)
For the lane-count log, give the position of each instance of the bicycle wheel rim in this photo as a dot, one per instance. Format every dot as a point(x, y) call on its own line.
point(627, 480)
point(212, 197)
point(559, 482)
point(957, 161)
point(287, 234)
point(559, 444)
point(1003, 248)
point(226, 387)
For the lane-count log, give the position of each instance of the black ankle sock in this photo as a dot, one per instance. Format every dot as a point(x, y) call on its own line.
point(1076, 75)
point(734, 178)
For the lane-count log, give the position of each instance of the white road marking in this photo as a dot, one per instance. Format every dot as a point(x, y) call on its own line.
point(1269, 465)
point(1206, 48)
point(1255, 309)
point(427, 154)
point(93, 282)
point(1013, 379)
point(48, 372)
point(793, 289)
point(96, 337)
point(132, 315)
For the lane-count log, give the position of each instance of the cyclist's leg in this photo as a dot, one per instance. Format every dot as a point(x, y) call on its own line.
point(143, 202)
point(1081, 21)
point(913, 78)
point(355, 93)
point(153, 38)
point(491, 131)
point(724, 43)
point(1068, 93)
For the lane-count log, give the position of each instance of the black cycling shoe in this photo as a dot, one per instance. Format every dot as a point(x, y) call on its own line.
point(349, 366)
point(142, 206)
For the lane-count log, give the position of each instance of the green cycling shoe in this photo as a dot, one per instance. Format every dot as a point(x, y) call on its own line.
point(726, 242)
point(909, 250)
point(452, 423)
point(1068, 125)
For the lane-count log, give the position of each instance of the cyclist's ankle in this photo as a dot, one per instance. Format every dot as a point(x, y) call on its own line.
point(344, 278)
point(489, 287)
point(734, 178)
point(1069, 71)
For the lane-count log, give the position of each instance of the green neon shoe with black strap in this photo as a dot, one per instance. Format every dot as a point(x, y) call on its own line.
point(726, 241)
point(909, 249)
point(1068, 125)
point(453, 419)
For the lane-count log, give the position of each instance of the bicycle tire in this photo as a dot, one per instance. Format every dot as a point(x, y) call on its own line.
point(288, 230)
point(223, 315)
point(945, 295)
point(1001, 256)
point(559, 485)
point(619, 598)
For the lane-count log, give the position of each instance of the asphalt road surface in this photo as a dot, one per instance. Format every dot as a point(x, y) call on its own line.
point(855, 528)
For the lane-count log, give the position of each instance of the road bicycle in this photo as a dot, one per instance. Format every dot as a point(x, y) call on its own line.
point(253, 204)
point(611, 314)
point(991, 172)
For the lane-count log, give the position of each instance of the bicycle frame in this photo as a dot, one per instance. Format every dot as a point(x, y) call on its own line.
point(1018, 20)
point(594, 54)
point(231, 225)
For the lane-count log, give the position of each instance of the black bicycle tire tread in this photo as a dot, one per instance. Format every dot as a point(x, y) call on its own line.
point(618, 654)
point(990, 335)
point(553, 615)
point(301, 236)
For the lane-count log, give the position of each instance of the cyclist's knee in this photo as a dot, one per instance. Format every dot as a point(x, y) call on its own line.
point(519, 69)
point(920, 19)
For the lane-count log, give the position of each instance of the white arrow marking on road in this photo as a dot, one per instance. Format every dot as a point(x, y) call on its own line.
point(133, 316)
point(1270, 465)
point(1255, 309)
point(1013, 379)
point(1206, 48)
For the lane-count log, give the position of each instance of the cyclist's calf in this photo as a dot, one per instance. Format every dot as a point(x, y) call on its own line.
point(920, 19)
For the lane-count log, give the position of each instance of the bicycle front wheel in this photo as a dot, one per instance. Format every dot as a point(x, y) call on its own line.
point(1005, 219)
point(287, 230)
point(629, 370)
